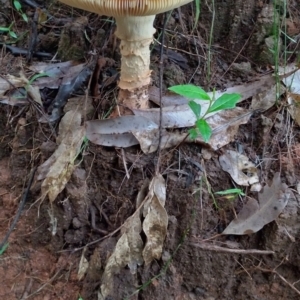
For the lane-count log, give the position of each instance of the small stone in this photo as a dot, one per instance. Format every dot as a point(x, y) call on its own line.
point(76, 223)
point(166, 256)
point(243, 68)
point(206, 154)
point(199, 291)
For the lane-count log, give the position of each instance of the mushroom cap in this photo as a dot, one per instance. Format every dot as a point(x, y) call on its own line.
point(118, 8)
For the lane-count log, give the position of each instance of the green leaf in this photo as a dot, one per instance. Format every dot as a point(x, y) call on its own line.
point(196, 108)
point(193, 133)
point(5, 29)
point(25, 18)
point(2, 250)
point(225, 101)
point(17, 5)
point(13, 35)
point(190, 91)
point(36, 76)
point(204, 129)
point(231, 191)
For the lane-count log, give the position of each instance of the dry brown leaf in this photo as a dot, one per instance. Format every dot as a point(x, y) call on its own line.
point(254, 216)
point(267, 98)
point(83, 266)
point(156, 219)
point(224, 126)
point(292, 83)
point(81, 103)
point(240, 168)
point(294, 106)
point(58, 74)
point(32, 91)
point(118, 132)
point(57, 170)
point(128, 250)
point(8, 82)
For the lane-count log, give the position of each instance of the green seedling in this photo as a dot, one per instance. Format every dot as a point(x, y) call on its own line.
point(18, 7)
point(9, 31)
point(32, 79)
point(35, 77)
point(231, 194)
point(2, 250)
point(202, 128)
point(84, 145)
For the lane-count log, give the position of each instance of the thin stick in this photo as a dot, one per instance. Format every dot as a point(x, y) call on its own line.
point(161, 68)
point(45, 284)
point(234, 251)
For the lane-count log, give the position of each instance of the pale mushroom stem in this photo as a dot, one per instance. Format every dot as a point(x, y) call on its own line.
point(136, 35)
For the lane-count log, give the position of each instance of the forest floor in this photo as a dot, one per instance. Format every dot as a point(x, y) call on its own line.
point(60, 249)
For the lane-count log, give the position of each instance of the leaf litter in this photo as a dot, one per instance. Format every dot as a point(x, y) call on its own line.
point(56, 171)
point(255, 215)
point(224, 127)
point(153, 205)
point(130, 249)
point(241, 169)
point(292, 83)
point(156, 219)
point(176, 113)
point(83, 266)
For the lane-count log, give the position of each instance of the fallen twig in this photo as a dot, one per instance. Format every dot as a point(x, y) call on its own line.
point(210, 247)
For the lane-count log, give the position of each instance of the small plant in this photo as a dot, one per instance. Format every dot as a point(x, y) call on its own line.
point(83, 147)
point(9, 31)
point(18, 7)
point(231, 194)
point(202, 128)
point(3, 249)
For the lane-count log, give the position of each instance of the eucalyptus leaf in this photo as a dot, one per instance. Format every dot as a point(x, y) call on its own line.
point(255, 215)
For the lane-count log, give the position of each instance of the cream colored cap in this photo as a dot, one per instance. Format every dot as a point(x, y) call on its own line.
point(126, 7)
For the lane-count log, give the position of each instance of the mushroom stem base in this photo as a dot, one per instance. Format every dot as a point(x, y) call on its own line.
point(136, 98)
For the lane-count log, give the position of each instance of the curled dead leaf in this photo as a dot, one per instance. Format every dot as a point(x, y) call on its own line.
point(254, 216)
point(83, 266)
point(128, 250)
point(156, 219)
point(57, 170)
point(240, 168)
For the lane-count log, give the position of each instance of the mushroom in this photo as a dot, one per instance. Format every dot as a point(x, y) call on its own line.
point(134, 19)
